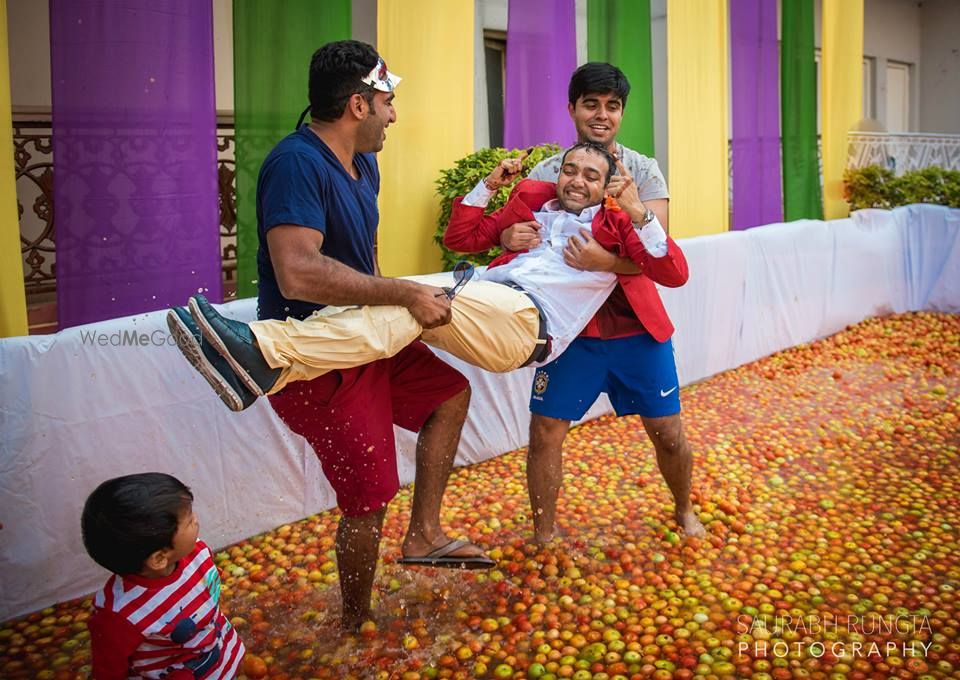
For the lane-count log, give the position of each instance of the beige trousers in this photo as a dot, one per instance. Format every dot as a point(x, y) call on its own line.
point(494, 327)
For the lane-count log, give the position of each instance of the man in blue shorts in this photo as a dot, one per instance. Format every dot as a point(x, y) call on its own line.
point(616, 353)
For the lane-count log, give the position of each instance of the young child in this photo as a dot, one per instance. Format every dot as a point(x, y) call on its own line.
point(158, 615)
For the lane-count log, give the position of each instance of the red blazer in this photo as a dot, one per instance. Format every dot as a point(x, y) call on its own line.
point(471, 231)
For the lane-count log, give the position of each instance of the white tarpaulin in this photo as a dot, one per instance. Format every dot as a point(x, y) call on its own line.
point(116, 397)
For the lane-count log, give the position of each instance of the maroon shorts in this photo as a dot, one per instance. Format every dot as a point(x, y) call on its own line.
point(348, 418)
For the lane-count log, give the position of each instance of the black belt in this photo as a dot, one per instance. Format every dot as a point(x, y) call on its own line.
point(542, 349)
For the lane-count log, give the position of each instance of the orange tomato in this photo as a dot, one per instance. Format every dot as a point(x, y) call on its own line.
point(254, 667)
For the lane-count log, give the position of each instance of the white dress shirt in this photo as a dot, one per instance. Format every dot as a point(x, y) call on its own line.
point(567, 297)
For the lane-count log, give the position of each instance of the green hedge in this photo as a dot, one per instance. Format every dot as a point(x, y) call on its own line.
point(874, 186)
point(460, 179)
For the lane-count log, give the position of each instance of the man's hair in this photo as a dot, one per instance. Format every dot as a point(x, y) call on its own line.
point(597, 149)
point(127, 519)
point(597, 77)
point(336, 70)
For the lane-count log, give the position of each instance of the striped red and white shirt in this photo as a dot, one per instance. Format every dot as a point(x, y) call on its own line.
point(169, 627)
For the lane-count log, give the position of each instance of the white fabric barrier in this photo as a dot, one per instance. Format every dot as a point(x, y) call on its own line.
point(756, 292)
point(87, 404)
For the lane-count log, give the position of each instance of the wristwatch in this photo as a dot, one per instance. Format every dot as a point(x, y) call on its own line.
point(648, 217)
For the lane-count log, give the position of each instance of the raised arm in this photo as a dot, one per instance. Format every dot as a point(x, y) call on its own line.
point(646, 241)
point(472, 231)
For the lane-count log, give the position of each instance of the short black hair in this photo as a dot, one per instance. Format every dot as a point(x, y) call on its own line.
point(336, 70)
point(597, 149)
point(127, 519)
point(597, 77)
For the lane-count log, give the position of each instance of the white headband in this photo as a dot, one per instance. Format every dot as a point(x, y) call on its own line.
point(380, 78)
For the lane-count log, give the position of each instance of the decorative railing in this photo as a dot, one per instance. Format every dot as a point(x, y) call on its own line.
point(227, 184)
point(34, 165)
point(903, 152)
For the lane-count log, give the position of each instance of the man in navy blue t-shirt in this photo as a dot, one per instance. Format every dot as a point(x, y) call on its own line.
point(317, 217)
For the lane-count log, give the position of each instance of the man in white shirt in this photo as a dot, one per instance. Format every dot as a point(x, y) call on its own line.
point(568, 297)
point(494, 327)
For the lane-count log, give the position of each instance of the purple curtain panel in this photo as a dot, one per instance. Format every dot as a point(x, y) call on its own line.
point(756, 113)
point(541, 56)
point(135, 153)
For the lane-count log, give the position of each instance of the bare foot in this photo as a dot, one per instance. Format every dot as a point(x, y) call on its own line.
point(367, 628)
point(350, 623)
point(545, 538)
point(690, 523)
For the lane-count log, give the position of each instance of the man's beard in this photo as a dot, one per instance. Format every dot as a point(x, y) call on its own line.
point(371, 139)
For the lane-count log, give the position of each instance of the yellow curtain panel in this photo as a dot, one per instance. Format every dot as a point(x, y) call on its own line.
point(842, 92)
point(697, 116)
point(13, 304)
point(430, 45)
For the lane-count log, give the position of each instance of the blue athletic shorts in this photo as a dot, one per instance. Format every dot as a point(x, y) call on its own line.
point(638, 373)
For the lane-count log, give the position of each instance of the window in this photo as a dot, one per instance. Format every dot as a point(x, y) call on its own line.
point(898, 97)
point(869, 67)
point(495, 58)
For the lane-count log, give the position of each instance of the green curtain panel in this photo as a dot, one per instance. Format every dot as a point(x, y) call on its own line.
point(798, 111)
point(272, 46)
point(618, 32)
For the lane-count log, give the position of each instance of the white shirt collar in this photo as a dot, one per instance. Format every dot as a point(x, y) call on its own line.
point(586, 215)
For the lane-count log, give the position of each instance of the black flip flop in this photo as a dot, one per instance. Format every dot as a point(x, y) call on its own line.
point(442, 558)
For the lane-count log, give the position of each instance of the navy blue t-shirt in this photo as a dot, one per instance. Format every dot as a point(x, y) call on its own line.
point(303, 183)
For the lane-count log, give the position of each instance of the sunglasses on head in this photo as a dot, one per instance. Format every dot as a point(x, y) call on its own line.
point(462, 272)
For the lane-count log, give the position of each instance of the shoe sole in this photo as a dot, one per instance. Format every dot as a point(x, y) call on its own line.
point(210, 335)
point(468, 563)
point(192, 352)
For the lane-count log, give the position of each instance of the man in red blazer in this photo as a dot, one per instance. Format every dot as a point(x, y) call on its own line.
point(625, 350)
point(643, 242)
